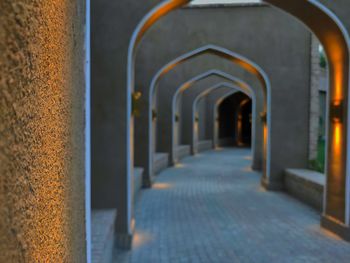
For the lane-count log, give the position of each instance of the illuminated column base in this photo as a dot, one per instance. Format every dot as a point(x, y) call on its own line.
point(336, 227)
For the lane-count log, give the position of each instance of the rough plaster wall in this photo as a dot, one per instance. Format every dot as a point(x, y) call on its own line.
point(42, 131)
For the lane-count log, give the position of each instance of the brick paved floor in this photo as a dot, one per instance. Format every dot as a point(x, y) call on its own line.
point(212, 209)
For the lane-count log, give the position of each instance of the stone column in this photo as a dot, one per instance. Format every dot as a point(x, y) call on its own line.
point(112, 26)
point(42, 119)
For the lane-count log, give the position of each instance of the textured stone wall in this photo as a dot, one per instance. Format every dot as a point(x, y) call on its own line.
point(314, 113)
point(42, 131)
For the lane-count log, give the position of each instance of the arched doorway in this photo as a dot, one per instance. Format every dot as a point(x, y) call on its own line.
point(335, 40)
point(248, 65)
point(234, 117)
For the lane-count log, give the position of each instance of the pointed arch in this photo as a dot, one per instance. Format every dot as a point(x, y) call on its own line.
point(335, 40)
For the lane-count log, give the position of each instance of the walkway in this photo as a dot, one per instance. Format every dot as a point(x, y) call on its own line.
point(212, 209)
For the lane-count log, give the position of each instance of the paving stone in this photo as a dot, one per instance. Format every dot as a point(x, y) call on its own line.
point(212, 209)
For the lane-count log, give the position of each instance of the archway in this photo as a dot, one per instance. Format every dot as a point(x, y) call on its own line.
point(236, 82)
point(335, 40)
point(226, 54)
point(205, 93)
point(214, 112)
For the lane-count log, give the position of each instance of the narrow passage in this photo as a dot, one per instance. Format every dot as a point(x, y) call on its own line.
point(211, 208)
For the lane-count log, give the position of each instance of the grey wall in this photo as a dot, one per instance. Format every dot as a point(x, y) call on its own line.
point(283, 53)
point(111, 31)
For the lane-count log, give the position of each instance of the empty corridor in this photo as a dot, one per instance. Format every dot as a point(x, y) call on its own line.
point(211, 208)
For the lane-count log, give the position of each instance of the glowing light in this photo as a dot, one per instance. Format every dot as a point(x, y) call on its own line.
point(336, 48)
point(161, 186)
point(162, 11)
point(326, 232)
point(337, 137)
point(195, 134)
point(265, 132)
point(141, 239)
point(338, 83)
point(337, 111)
point(247, 169)
point(179, 165)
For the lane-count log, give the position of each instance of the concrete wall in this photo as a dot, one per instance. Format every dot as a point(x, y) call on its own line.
point(113, 23)
point(42, 91)
point(284, 55)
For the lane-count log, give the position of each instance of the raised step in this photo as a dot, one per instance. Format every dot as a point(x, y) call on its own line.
point(160, 162)
point(306, 185)
point(103, 235)
point(182, 151)
point(204, 145)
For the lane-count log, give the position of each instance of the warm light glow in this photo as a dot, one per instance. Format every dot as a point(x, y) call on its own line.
point(337, 111)
point(195, 131)
point(179, 165)
point(338, 84)
point(325, 232)
point(337, 137)
point(161, 186)
point(162, 11)
point(141, 239)
point(265, 132)
point(335, 45)
point(336, 49)
point(247, 169)
point(211, 50)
